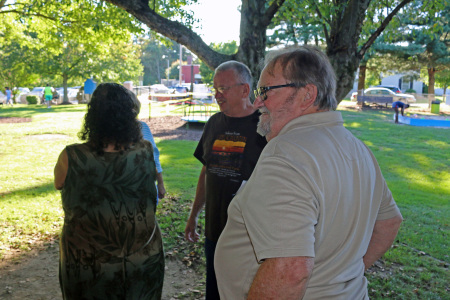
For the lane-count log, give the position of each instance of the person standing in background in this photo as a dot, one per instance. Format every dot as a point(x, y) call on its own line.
point(48, 95)
point(111, 244)
point(228, 149)
point(316, 211)
point(8, 94)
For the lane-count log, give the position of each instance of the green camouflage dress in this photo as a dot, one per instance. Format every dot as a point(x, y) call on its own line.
point(111, 246)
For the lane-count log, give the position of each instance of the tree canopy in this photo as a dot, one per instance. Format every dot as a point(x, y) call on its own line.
point(344, 29)
point(65, 40)
point(418, 41)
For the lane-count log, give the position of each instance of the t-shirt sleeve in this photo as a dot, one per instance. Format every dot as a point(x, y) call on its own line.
point(281, 210)
point(147, 135)
point(388, 208)
point(200, 151)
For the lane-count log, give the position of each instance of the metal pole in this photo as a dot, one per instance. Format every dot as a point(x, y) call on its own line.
point(168, 71)
point(181, 62)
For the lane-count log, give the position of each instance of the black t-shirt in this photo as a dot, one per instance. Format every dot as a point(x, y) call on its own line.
point(229, 148)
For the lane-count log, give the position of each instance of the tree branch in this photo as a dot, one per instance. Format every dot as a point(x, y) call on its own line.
point(15, 11)
point(383, 26)
point(271, 11)
point(325, 30)
point(173, 30)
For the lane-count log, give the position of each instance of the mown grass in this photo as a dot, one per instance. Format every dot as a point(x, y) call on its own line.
point(415, 162)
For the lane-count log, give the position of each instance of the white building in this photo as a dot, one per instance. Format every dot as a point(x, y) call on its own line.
point(403, 82)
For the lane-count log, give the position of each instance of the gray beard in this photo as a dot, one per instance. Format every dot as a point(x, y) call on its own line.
point(263, 127)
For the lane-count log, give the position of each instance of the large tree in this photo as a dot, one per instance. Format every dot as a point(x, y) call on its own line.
point(72, 39)
point(15, 64)
point(341, 22)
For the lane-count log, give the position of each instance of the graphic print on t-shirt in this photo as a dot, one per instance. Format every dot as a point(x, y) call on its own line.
point(227, 155)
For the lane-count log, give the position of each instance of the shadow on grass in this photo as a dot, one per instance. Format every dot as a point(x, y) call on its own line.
point(37, 190)
point(30, 110)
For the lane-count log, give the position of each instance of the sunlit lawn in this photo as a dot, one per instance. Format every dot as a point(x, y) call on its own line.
point(415, 162)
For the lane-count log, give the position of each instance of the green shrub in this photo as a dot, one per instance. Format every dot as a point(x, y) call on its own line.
point(32, 99)
point(410, 91)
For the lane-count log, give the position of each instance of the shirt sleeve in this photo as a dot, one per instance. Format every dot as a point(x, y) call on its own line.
point(147, 134)
point(203, 144)
point(388, 208)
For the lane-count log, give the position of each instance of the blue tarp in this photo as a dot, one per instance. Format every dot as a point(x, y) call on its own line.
point(89, 86)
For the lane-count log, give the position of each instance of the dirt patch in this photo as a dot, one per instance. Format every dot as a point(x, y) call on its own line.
point(36, 277)
point(14, 120)
point(173, 128)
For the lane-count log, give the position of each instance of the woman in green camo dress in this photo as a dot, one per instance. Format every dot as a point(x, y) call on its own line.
point(111, 246)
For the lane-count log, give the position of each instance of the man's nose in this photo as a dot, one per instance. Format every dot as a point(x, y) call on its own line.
point(217, 93)
point(258, 103)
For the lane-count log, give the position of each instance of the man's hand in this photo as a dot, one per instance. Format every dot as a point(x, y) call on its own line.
point(161, 190)
point(160, 185)
point(190, 233)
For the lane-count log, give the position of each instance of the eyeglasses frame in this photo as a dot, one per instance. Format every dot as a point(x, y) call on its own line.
point(262, 91)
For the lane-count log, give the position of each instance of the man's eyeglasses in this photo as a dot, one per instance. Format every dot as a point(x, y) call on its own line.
point(223, 89)
point(262, 91)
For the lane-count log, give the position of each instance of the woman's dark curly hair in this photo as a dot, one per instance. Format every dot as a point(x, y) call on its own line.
point(111, 118)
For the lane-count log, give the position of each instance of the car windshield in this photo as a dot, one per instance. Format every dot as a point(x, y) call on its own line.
point(38, 89)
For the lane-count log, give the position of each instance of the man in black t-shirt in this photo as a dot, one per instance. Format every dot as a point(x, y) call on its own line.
point(229, 149)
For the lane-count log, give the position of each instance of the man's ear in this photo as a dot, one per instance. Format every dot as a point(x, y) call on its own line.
point(310, 95)
point(246, 90)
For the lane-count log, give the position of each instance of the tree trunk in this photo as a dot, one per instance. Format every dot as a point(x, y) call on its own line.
point(431, 81)
point(342, 44)
point(345, 67)
point(253, 36)
point(362, 77)
point(66, 97)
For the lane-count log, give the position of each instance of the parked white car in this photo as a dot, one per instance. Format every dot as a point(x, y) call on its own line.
point(37, 91)
point(384, 92)
point(2, 97)
point(22, 94)
point(71, 94)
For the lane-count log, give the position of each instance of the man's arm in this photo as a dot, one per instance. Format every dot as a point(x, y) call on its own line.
point(383, 235)
point(60, 170)
point(190, 233)
point(282, 278)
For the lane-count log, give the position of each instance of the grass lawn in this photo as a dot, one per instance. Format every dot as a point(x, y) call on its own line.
point(415, 162)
